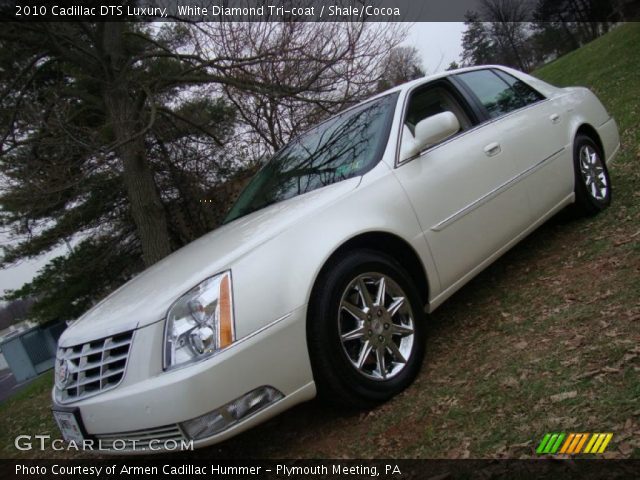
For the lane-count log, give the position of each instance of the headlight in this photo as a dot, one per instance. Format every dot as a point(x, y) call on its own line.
point(200, 322)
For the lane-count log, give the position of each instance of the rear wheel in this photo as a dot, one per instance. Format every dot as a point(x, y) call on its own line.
point(592, 182)
point(365, 330)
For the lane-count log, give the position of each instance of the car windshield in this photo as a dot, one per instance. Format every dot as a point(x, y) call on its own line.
point(344, 146)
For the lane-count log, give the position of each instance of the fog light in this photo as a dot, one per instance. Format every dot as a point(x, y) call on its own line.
point(231, 413)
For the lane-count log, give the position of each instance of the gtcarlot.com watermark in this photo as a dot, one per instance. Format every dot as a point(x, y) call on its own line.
point(45, 442)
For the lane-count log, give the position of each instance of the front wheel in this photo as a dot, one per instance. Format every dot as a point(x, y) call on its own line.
point(365, 330)
point(592, 182)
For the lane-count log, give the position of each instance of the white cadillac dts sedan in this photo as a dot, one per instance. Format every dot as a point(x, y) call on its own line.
point(321, 276)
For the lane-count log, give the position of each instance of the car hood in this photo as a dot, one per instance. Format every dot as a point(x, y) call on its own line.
point(146, 298)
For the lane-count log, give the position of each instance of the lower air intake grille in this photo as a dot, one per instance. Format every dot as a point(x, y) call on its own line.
point(148, 439)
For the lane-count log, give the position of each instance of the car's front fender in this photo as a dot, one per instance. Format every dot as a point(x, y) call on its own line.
point(278, 276)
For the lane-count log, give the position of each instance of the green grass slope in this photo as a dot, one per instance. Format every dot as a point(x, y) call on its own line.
point(610, 66)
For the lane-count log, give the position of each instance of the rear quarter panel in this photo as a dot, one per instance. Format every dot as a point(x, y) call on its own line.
point(581, 106)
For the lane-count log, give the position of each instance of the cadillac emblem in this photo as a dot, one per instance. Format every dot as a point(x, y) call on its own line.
point(62, 373)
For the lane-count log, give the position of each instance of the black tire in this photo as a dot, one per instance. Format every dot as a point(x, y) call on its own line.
point(338, 380)
point(587, 202)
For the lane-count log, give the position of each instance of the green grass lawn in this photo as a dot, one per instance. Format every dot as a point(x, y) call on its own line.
point(545, 340)
point(28, 412)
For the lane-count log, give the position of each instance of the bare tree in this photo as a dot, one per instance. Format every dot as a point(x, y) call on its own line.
point(14, 312)
point(130, 77)
point(402, 65)
point(508, 28)
point(337, 63)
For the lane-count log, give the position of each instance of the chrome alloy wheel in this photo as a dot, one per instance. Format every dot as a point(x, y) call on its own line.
point(593, 174)
point(376, 326)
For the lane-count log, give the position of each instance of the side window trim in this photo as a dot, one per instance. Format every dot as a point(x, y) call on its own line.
point(472, 99)
point(466, 101)
point(487, 118)
point(504, 76)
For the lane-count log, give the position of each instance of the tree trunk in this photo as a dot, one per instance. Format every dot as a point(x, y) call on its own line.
point(128, 123)
point(571, 36)
point(511, 30)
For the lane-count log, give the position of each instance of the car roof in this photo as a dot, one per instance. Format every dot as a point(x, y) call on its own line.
point(409, 85)
point(435, 76)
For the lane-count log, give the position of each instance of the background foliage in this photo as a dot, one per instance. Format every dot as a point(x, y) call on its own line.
point(527, 34)
point(125, 141)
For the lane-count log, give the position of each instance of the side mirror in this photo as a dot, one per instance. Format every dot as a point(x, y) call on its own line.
point(428, 132)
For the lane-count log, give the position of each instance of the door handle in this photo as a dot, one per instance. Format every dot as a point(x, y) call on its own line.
point(492, 149)
point(555, 118)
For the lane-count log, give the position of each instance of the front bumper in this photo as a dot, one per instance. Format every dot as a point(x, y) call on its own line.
point(151, 400)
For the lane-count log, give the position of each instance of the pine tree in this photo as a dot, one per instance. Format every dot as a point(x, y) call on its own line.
point(477, 45)
point(113, 134)
point(98, 148)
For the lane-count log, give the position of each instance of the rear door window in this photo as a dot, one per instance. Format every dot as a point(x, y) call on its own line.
point(499, 92)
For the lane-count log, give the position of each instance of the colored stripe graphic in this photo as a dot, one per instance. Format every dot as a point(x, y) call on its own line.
point(590, 444)
point(550, 443)
point(543, 443)
point(596, 446)
point(582, 442)
point(598, 442)
point(567, 443)
point(557, 444)
point(573, 443)
point(578, 443)
point(605, 442)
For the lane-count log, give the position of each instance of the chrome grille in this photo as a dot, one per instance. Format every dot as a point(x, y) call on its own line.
point(140, 439)
point(91, 368)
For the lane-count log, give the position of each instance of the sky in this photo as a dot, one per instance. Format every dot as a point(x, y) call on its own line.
point(438, 44)
point(15, 277)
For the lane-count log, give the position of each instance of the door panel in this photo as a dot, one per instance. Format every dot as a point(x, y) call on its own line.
point(537, 134)
point(540, 138)
point(465, 198)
